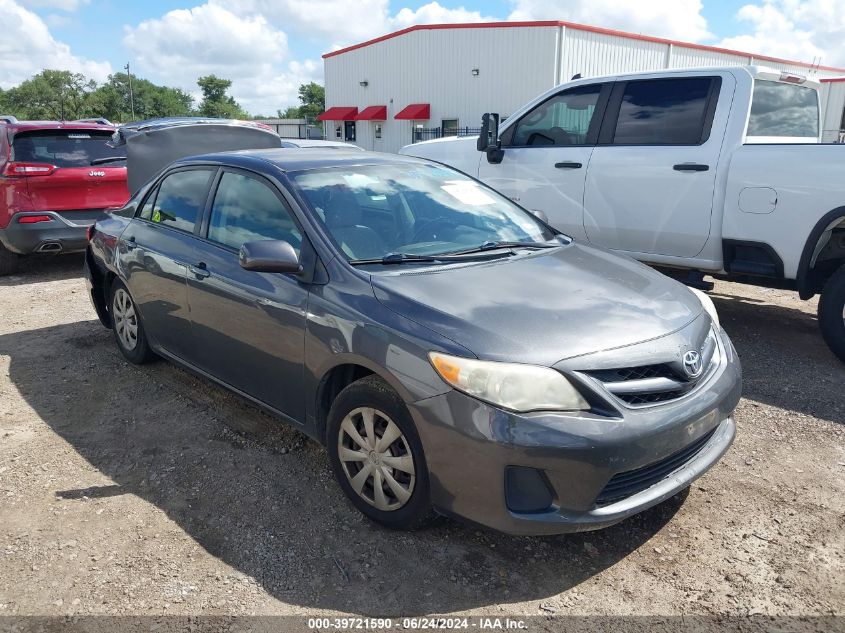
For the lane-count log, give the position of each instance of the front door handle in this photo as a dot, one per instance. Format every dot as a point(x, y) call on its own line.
point(200, 271)
point(568, 165)
point(691, 167)
point(130, 244)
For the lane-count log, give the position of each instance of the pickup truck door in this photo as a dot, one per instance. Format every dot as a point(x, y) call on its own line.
point(652, 176)
point(546, 153)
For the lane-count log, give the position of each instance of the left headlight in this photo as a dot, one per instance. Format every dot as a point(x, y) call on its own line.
point(510, 385)
point(707, 304)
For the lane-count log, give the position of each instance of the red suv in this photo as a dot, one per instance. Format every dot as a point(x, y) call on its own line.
point(56, 179)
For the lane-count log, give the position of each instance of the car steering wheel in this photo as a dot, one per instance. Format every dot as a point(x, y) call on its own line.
point(427, 229)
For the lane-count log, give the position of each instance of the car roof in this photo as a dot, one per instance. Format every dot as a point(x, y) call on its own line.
point(29, 126)
point(290, 159)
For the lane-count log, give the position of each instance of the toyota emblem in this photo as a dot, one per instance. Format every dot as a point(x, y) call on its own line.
point(693, 364)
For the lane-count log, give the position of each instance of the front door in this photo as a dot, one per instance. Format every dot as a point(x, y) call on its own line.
point(349, 131)
point(652, 177)
point(546, 154)
point(154, 251)
point(249, 327)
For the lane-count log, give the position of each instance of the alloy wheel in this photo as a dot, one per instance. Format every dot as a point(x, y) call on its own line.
point(376, 458)
point(125, 319)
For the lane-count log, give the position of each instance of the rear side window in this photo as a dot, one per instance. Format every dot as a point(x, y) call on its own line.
point(781, 109)
point(180, 198)
point(664, 112)
point(65, 148)
point(247, 210)
point(562, 120)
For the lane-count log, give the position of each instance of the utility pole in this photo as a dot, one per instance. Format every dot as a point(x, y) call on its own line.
point(131, 97)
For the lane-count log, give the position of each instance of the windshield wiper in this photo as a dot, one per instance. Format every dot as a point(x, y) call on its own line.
point(493, 245)
point(408, 258)
point(110, 159)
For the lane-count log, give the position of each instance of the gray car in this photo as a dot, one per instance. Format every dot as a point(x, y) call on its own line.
point(453, 353)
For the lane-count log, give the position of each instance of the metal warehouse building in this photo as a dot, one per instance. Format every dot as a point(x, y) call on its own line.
point(431, 80)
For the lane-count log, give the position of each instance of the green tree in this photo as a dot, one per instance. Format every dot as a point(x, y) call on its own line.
point(215, 102)
point(292, 112)
point(51, 94)
point(313, 98)
point(111, 100)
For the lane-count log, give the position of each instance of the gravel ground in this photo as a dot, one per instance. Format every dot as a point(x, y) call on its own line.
point(145, 491)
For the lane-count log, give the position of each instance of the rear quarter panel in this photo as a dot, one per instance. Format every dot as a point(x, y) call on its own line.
point(806, 182)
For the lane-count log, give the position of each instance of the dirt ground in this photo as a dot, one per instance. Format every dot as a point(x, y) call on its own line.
point(127, 490)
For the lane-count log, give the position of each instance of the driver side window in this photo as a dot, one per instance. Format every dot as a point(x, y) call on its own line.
point(562, 120)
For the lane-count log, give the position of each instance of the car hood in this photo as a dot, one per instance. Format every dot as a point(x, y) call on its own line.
point(541, 307)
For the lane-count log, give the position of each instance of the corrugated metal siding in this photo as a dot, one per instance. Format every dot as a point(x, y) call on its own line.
point(515, 65)
point(435, 66)
point(595, 54)
point(833, 100)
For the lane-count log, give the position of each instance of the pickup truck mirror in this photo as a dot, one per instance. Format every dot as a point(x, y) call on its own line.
point(269, 256)
point(488, 140)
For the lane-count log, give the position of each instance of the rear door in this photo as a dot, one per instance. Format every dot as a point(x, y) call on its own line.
point(154, 254)
point(77, 189)
point(249, 327)
point(651, 180)
point(546, 154)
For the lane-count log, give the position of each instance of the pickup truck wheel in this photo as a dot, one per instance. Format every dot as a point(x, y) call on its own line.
point(126, 324)
point(832, 313)
point(8, 261)
point(377, 457)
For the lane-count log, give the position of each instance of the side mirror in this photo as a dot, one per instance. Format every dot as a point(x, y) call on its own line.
point(269, 256)
point(488, 140)
point(540, 215)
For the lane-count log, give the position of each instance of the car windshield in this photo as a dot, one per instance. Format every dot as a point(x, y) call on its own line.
point(414, 210)
point(65, 148)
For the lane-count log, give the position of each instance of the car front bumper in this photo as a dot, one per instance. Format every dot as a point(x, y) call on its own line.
point(63, 233)
point(473, 448)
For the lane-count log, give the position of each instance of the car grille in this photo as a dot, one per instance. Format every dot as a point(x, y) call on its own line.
point(624, 485)
point(647, 385)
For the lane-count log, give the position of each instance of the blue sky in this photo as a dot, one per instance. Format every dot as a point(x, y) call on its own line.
point(269, 47)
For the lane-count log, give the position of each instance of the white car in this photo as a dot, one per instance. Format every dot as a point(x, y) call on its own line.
point(319, 144)
point(718, 171)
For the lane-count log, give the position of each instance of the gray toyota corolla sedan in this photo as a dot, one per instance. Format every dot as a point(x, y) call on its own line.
point(452, 352)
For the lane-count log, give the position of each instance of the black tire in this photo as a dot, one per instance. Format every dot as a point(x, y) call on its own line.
point(373, 393)
point(832, 313)
point(9, 261)
point(140, 352)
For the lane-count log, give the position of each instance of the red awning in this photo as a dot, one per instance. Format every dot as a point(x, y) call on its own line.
point(339, 113)
point(373, 113)
point(415, 112)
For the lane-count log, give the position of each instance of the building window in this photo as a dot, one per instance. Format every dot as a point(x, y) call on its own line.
point(449, 127)
point(337, 132)
point(378, 130)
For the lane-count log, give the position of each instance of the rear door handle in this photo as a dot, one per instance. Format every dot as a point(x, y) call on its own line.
point(199, 270)
point(691, 167)
point(568, 165)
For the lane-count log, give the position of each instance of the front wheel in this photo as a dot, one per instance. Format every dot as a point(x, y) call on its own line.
point(126, 323)
point(832, 313)
point(377, 457)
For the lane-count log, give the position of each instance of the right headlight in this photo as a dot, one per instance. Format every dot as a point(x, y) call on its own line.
point(510, 385)
point(707, 304)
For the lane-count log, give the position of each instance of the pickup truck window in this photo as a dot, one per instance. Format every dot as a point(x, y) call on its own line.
point(663, 112)
point(781, 109)
point(561, 120)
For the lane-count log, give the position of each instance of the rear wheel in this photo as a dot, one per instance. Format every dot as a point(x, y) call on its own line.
point(832, 313)
point(377, 457)
point(9, 261)
point(126, 324)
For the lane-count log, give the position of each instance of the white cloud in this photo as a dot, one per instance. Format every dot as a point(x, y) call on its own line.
point(795, 30)
point(675, 19)
point(345, 22)
point(185, 44)
point(27, 48)
point(62, 5)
